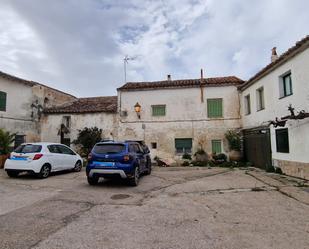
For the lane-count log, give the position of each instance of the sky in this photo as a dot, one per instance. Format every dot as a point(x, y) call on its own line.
point(79, 46)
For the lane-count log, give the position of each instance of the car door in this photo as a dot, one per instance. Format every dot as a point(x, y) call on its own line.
point(68, 157)
point(141, 157)
point(55, 157)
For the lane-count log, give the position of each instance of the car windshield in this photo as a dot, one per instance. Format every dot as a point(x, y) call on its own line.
point(108, 148)
point(28, 148)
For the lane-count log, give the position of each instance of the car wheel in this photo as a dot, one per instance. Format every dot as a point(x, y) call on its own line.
point(12, 173)
point(45, 171)
point(78, 166)
point(92, 180)
point(148, 171)
point(135, 179)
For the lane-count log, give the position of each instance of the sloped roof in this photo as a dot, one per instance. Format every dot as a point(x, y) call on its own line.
point(14, 78)
point(297, 48)
point(29, 82)
point(86, 105)
point(186, 83)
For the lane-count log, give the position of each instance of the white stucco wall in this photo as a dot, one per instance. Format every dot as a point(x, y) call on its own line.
point(186, 117)
point(17, 117)
point(276, 107)
point(50, 125)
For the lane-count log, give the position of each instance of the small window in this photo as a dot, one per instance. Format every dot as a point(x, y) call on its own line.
point(65, 150)
point(282, 140)
point(153, 145)
point(216, 146)
point(183, 145)
point(2, 101)
point(247, 105)
point(285, 86)
point(53, 149)
point(28, 148)
point(260, 99)
point(158, 110)
point(66, 120)
point(214, 108)
point(19, 139)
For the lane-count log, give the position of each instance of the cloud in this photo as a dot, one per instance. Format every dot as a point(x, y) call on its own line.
point(79, 46)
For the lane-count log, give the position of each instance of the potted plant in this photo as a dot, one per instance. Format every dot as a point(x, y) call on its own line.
point(201, 155)
point(234, 141)
point(6, 139)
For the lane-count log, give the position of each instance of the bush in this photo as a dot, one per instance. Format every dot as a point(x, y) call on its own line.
point(185, 163)
point(186, 156)
point(6, 139)
point(233, 139)
point(87, 138)
point(199, 163)
point(220, 157)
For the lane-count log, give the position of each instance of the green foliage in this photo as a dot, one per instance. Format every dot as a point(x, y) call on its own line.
point(233, 139)
point(6, 139)
point(185, 163)
point(220, 157)
point(199, 163)
point(200, 152)
point(87, 138)
point(186, 156)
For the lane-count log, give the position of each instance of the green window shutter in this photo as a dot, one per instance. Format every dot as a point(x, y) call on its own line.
point(216, 146)
point(214, 108)
point(183, 144)
point(158, 110)
point(2, 101)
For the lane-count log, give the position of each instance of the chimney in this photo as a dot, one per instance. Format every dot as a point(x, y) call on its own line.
point(274, 55)
point(169, 78)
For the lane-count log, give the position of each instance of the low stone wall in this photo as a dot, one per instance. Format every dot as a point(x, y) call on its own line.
point(296, 169)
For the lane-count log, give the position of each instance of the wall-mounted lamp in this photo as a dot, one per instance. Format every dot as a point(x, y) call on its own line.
point(137, 109)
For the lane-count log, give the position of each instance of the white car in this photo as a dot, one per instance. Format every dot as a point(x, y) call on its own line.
point(41, 159)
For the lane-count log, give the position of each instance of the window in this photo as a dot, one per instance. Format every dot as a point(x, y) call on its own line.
point(28, 148)
point(216, 146)
point(247, 105)
point(109, 148)
point(214, 108)
point(260, 99)
point(282, 140)
point(65, 150)
point(19, 139)
point(153, 145)
point(2, 101)
point(285, 86)
point(158, 110)
point(53, 149)
point(183, 145)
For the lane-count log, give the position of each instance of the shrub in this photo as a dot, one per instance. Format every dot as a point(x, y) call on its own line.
point(185, 163)
point(186, 156)
point(6, 139)
point(199, 163)
point(233, 139)
point(220, 157)
point(87, 138)
point(200, 152)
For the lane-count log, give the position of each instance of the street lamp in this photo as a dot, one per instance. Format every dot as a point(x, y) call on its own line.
point(137, 108)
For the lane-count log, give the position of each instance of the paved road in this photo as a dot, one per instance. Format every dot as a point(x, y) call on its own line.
point(172, 208)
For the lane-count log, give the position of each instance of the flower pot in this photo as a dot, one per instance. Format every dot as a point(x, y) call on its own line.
point(235, 155)
point(201, 157)
point(2, 160)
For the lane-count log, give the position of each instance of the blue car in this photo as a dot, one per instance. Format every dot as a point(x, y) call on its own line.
point(127, 160)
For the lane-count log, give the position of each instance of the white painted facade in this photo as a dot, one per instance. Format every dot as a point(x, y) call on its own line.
point(298, 130)
point(51, 125)
point(24, 102)
point(185, 117)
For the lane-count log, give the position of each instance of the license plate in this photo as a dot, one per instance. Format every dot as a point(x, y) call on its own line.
point(104, 164)
point(19, 158)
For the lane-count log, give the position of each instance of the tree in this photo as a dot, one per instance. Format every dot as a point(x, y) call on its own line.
point(87, 138)
point(6, 139)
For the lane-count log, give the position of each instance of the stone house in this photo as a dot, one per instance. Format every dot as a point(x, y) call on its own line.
point(61, 123)
point(179, 116)
point(266, 97)
point(22, 103)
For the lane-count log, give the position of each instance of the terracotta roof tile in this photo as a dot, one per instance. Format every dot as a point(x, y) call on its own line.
point(297, 48)
point(217, 81)
point(87, 105)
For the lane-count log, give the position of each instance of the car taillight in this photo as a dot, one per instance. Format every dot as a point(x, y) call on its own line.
point(37, 156)
point(89, 156)
point(126, 158)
